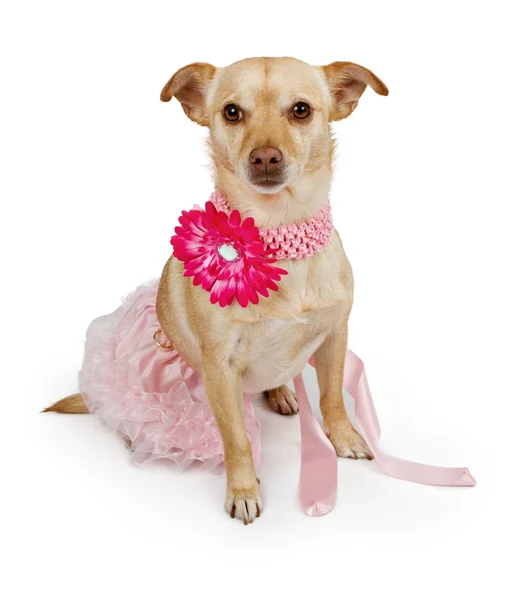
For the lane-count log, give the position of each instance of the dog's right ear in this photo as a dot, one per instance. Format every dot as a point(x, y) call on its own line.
point(189, 85)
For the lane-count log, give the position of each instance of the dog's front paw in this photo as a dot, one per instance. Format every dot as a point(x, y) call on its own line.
point(282, 400)
point(244, 504)
point(346, 440)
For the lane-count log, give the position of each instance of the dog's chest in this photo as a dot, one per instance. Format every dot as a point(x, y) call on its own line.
point(279, 349)
point(277, 346)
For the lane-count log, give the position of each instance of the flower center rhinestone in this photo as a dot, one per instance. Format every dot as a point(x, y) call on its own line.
point(228, 252)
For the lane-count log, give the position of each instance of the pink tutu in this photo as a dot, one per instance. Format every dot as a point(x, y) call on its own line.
point(151, 398)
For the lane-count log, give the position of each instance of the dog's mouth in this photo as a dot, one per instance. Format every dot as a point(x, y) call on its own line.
point(267, 185)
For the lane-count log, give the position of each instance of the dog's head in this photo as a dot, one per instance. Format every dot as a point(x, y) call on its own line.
point(269, 117)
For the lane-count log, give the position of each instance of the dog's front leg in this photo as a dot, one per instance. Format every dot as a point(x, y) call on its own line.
point(224, 390)
point(329, 365)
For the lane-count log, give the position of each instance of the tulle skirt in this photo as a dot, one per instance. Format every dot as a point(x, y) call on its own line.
point(148, 395)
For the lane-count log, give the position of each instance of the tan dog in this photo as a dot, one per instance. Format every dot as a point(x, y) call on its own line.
point(272, 148)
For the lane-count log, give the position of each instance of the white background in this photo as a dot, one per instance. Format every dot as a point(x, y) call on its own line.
point(94, 170)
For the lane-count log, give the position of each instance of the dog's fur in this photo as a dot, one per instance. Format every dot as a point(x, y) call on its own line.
point(261, 347)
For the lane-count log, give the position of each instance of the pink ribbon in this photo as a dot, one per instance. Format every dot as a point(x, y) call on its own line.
point(318, 470)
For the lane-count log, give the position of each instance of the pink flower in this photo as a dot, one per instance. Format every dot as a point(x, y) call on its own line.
point(225, 256)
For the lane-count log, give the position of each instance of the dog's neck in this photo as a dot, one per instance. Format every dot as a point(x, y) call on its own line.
point(297, 202)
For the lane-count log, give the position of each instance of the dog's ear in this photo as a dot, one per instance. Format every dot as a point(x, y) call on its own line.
point(347, 81)
point(189, 85)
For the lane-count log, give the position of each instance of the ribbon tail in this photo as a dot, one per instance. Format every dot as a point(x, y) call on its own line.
point(355, 381)
point(318, 465)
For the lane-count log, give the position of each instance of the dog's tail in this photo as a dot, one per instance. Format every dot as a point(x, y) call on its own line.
point(73, 405)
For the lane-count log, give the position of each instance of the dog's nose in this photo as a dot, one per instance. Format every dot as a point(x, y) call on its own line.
point(265, 159)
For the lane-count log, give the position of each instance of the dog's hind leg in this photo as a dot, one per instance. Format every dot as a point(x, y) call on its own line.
point(282, 400)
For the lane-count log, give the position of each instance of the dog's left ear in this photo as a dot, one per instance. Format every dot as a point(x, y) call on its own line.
point(347, 81)
point(189, 85)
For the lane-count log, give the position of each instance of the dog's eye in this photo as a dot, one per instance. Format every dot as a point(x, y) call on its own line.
point(301, 110)
point(232, 112)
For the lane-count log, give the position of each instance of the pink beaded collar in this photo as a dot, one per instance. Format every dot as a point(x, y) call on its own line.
point(233, 259)
point(299, 240)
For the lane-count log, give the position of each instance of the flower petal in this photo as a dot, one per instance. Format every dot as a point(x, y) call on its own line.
point(211, 210)
point(241, 292)
point(251, 292)
point(248, 223)
point(235, 218)
point(215, 292)
point(227, 291)
point(250, 234)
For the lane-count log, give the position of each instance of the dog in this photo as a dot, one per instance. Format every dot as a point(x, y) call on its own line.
point(272, 147)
